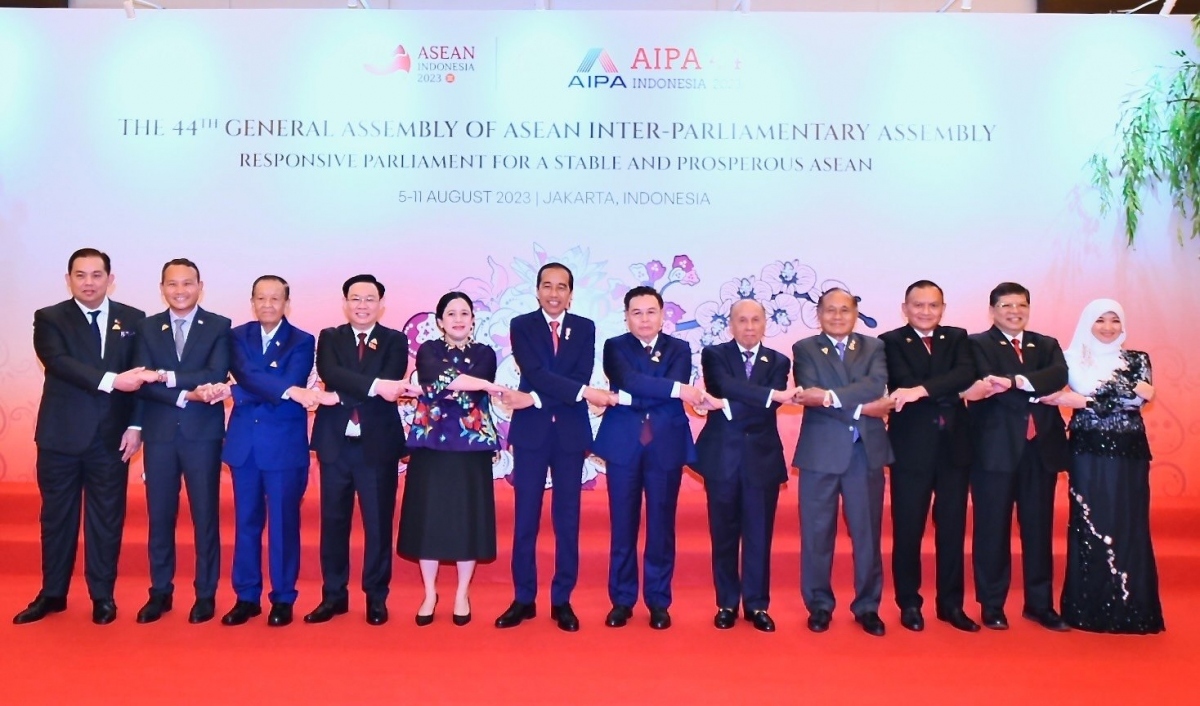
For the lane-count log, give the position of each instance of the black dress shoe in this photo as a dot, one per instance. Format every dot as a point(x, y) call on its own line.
point(203, 611)
point(377, 613)
point(281, 614)
point(618, 616)
point(565, 617)
point(241, 612)
point(957, 619)
point(871, 624)
point(326, 609)
point(912, 619)
point(461, 620)
point(761, 621)
point(158, 604)
point(104, 611)
point(725, 618)
point(40, 608)
point(660, 619)
point(818, 620)
point(993, 619)
point(1050, 619)
point(516, 614)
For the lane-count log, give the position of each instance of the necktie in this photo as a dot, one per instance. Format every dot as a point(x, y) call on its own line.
point(554, 336)
point(749, 360)
point(928, 341)
point(96, 331)
point(180, 338)
point(362, 349)
point(840, 347)
point(1030, 427)
point(647, 433)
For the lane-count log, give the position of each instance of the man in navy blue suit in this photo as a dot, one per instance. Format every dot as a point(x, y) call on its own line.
point(645, 441)
point(182, 431)
point(555, 352)
point(266, 447)
point(740, 455)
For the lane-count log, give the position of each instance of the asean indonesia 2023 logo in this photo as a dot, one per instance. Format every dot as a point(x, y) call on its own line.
point(433, 63)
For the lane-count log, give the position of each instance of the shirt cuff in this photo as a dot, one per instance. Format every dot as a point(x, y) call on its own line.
point(858, 411)
point(579, 397)
point(1022, 383)
point(727, 411)
point(285, 395)
point(769, 400)
point(837, 404)
point(624, 398)
point(106, 382)
point(371, 392)
point(134, 428)
point(537, 401)
point(182, 401)
point(170, 378)
point(675, 390)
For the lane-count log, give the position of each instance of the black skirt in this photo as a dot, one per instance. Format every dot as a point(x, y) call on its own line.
point(1112, 579)
point(448, 512)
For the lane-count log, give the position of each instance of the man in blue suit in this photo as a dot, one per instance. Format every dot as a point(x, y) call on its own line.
point(645, 441)
point(842, 450)
point(266, 447)
point(182, 431)
point(555, 352)
point(740, 455)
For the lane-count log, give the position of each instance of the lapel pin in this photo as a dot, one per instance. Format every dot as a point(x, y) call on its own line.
point(277, 343)
point(373, 344)
point(852, 342)
point(763, 359)
point(1029, 345)
point(567, 334)
point(657, 357)
point(116, 325)
point(165, 327)
point(942, 337)
point(908, 340)
point(467, 361)
point(274, 364)
point(825, 350)
point(199, 322)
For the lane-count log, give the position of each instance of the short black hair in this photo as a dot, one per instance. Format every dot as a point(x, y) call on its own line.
point(1004, 289)
point(90, 252)
point(449, 297)
point(557, 266)
point(831, 290)
point(356, 279)
point(922, 284)
point(287, 290)
point(642, 291)
point(178, 262)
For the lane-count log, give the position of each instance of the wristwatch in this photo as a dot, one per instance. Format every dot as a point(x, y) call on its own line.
point(162, 375)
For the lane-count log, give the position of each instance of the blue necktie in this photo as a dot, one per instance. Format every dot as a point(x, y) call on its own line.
point(749, 356)
point(96, 331)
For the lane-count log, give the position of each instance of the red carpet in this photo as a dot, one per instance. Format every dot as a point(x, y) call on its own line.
point(66, 659)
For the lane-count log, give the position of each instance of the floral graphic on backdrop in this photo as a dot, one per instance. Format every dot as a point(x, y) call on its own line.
point(787, 289)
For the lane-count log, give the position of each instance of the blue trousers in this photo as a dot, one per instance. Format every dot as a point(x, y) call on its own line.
point(626, 485)
point(529, 488)
point(268, 499)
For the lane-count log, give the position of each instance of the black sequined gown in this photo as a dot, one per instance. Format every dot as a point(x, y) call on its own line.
point(1112, 580)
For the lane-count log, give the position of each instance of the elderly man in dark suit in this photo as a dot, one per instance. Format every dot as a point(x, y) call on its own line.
point(928, 366)
point(555, 351)
point(842, 450)
point(740, 456)
point(266, 447)
point(86, 433)
point(1020, 447)
point(645, 440)
point(359, 439)
point(183, 428)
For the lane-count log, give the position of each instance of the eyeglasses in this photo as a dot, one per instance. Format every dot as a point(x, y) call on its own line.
point(363, 300)
point(1009, 306)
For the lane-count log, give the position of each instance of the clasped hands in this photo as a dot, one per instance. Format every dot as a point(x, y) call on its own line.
point(817, 397)
point(131, 380)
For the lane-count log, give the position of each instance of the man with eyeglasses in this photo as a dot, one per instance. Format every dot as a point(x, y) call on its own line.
point(1020, 447)
point(359, 439)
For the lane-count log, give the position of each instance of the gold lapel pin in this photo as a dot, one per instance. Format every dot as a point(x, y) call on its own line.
point(199, 322)
point(274, 364)
point(373, 344)
point(908, 340)
point(763, 358)
point(165, 327)
point(852, 342)
point(825, 350)
point(116, 326)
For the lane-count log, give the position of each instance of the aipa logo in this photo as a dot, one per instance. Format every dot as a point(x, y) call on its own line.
point(665, 59)
point(401, 61)
point(583, 77)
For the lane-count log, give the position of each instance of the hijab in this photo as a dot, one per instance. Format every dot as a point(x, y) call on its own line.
point(1090, 362)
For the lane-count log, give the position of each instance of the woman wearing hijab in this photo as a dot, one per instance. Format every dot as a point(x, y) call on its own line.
point(1112, 581)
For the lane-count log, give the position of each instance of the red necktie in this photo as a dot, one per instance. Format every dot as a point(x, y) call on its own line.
point(928, 341)
point(1031, 427)
point(554, 336)
point(647, 433)
point(362, 349)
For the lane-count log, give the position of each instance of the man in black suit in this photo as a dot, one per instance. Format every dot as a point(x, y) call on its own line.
point(928, 366)
point(188, 348)
point(1020, 447)
point(740, 455)
point(86, 433)
point(359, 439)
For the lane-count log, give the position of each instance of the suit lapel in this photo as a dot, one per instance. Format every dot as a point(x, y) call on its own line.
point(82, 329)
point(112, 336)
point(829, 352)
point(279, 345)
point(193, 336)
